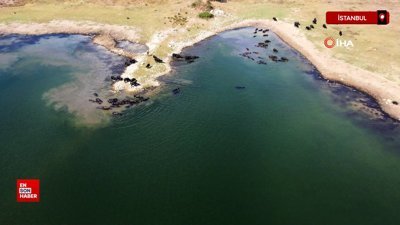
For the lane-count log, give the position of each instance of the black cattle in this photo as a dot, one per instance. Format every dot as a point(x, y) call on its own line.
point(274, 18)
point(324, 26)
point(340, 33)
point(314, 21)
point(158, 60)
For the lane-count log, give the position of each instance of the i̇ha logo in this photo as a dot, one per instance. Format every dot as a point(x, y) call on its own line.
point(28, 190)
point(329, 42)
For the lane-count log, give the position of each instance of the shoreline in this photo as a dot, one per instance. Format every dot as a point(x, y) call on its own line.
point(383, 91)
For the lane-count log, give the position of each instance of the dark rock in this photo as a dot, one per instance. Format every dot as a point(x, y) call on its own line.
point(158, 60)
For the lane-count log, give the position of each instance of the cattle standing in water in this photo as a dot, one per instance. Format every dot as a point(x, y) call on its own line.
point(176, 91)
point(275, 50)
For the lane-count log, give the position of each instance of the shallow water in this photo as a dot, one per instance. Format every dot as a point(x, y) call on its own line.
point(287, 149)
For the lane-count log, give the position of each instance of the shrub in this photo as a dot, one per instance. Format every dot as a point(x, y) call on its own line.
point(206, 15)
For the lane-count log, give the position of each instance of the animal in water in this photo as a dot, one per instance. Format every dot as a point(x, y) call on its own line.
point(284, 59)
point(340, 33)
point(129, 62)
point(117, 114)
point(240, 87)
point(158, 60)
point(247, 49)
point(261, 62)
point(275, 50)
point(267, 41)
point(274, 18)
point(254, 36)
point(273, 58)
point(96, 95)
point(314, 21)
point(324, 26)
point(176, 91)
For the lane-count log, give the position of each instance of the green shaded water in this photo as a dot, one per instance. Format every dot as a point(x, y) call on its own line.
point(287, 149)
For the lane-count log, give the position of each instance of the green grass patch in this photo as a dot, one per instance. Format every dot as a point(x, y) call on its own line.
point(206, 15)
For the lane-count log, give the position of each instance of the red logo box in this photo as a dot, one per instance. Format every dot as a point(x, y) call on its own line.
point(380, 17)
point(28, 190)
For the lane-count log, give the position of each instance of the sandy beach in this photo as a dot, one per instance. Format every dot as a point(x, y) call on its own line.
point(384, 91)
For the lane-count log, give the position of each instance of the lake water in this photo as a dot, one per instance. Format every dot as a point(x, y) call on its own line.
point(289, 148)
